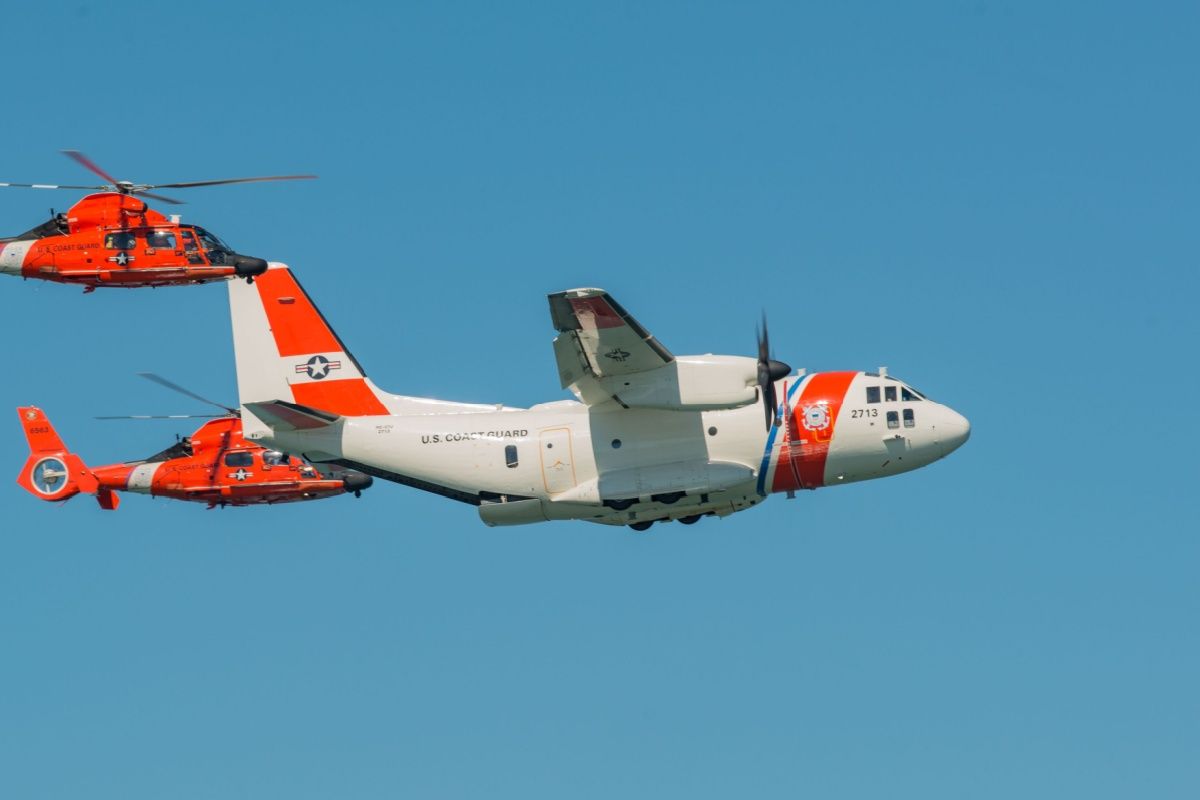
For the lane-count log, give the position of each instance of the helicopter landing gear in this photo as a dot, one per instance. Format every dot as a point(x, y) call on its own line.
point(250, 280)
point(690, 520)
point(641, 526)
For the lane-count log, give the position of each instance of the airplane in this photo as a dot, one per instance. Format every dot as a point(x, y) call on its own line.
point(651, 436)
point(111, 238)
point(216, 465)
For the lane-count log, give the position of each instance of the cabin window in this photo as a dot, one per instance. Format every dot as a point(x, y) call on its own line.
point(160, 240)
point(908, 418)
point(893, 418)
point(274, 458)
point(908, 394)
point(239, 459)
point(120, 241)
point(889, 394)
point(872, 394)
point(510, 456)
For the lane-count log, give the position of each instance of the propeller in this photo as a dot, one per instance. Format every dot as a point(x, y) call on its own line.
point(128, 187)
point(769, 371)
point(161, 381)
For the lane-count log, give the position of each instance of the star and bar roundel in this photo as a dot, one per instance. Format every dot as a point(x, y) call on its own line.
point(318, 367)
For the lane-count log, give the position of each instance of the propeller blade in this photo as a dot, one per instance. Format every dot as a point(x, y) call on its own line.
point(163, 198)
point(161, 381)
point(769, 371)
point(165, 416)
point(193, 184)
point(88, 164)
point(53, 186)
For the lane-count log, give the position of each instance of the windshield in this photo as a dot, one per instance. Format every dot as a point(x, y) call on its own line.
point(211, 242)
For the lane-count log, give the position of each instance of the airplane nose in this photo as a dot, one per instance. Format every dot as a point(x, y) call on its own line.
point(953, 431)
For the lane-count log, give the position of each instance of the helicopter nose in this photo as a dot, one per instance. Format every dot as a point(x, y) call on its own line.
point(248, 266)
point(953, 430)
point(356, 481)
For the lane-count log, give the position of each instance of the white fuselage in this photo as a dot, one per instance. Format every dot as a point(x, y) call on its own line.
point(563, 460)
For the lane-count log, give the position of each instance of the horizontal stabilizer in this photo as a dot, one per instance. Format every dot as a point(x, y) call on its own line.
point(285, 416)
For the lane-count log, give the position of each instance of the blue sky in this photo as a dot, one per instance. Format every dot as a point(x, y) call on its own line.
point(998, 201)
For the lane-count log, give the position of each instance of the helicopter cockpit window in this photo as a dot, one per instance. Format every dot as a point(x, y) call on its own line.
point(211, 242)
point(908, 394)
point(239, 459)
point(120, 241)
point(160, 240)
point(273, 458)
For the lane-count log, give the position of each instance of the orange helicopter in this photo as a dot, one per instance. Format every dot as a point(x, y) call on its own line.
point(112, 238)
point(214, 465)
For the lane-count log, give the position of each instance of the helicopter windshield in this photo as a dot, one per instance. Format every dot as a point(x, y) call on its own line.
point(211, 243)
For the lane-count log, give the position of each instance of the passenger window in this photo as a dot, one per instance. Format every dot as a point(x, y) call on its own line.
point(872, 394)
point(893, 419)
point(160, 240)
point(273, 458)
point(510, 456)
point(908, 418)
point(889, 393)
point(120, 241)
point(239, 459)
point(907, 394)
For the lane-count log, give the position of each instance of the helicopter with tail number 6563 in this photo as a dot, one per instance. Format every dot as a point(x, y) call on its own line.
point(111, 238)
point(215, 465)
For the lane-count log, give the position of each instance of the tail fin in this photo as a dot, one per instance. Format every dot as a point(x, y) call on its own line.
point(285, 350)
point(52, 472)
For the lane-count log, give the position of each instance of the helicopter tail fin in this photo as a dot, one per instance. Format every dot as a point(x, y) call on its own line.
point(286, 351)
point(52, 472)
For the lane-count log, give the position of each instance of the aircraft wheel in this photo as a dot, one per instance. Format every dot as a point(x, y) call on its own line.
point(357, 493)
point(250, 280)
point(641, 526)
point(692, 520)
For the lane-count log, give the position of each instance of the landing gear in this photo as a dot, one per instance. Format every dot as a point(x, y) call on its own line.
point(250, 280)
point(692, 520)
point(641, 526)
point(620, 505)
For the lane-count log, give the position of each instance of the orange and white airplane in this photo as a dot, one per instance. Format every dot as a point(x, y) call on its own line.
point(651, 437)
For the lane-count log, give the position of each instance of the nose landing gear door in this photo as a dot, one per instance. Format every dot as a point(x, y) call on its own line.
point(558, 467)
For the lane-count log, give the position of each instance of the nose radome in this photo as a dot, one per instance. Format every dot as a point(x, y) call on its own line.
point(953, 431)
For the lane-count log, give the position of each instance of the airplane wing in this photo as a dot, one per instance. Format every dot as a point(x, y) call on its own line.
point(600, 339)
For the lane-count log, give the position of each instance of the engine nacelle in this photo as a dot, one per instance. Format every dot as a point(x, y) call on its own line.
point(693, 383)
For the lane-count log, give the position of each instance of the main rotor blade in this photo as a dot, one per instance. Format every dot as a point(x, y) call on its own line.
point(161, 381)
point(165, 416)
point(88, 164)
point(163, 198)
point(192, 184)
point(53, 186)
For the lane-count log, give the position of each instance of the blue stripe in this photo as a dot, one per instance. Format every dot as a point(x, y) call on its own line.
point(766, 459)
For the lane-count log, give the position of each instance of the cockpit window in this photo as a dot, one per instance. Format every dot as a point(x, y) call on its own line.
point(211, 242)
point(908, 394)
point(872, 394)
point(889, 393)
point(273, 458)
point(123, 240)
point(160, 239)
point(909, 421)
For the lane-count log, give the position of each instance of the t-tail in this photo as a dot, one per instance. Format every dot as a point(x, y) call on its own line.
point(52, 472)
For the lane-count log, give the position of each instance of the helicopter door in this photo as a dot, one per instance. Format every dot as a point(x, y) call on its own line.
point(191, 248)
point(558, 471)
